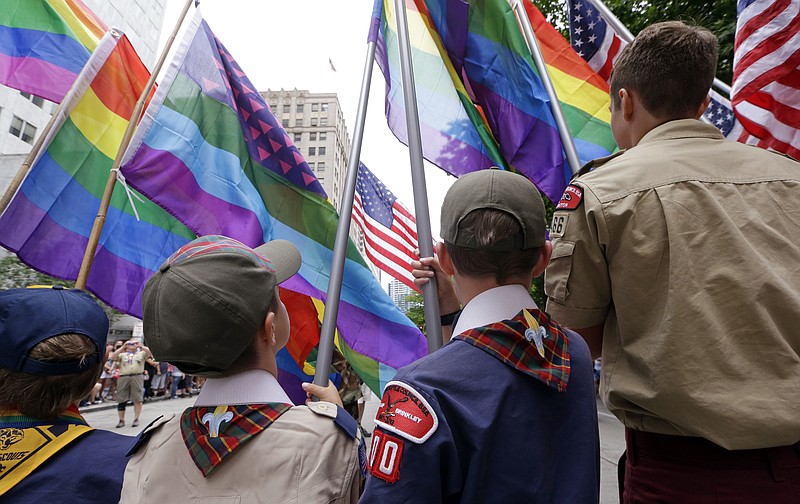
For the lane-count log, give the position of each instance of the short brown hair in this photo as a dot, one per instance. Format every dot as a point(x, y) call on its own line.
point(490, 226)
point(670, 66)
point(47, 397)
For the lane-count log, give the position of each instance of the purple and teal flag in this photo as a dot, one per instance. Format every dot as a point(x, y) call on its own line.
point(210, 151)
point(480, 98)
point(44, 44)
point(49, 221)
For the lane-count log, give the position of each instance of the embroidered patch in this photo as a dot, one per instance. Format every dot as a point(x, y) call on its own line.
point(572, 197)
point(404, 411)
point(558, 225)
point(385, 456)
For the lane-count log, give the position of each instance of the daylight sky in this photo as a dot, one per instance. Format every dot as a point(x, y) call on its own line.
point(287, 44)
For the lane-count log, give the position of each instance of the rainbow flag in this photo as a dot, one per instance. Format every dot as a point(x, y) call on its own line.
point(583, 94)
point(44, 44)
point(473, 54)
point(50, 218)
point(211, 152)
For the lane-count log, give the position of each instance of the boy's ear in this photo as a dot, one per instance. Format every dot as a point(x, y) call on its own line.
point(545, 252)
point(269, 329)
point(445, 261)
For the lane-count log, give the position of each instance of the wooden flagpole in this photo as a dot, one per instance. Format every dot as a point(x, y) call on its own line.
point(99, 222)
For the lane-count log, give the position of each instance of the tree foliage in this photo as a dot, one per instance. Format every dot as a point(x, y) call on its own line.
point(719, 16)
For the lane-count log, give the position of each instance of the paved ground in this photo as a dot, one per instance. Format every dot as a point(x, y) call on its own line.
point(612, 439)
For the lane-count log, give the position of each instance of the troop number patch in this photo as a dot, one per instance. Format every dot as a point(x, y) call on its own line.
point(572, 197)
point(405, 412)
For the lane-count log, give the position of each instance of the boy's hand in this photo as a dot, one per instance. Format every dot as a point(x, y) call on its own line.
point(329, 393)
point(424, 269)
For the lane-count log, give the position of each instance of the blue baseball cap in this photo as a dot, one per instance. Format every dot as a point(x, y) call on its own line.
point(31, 316)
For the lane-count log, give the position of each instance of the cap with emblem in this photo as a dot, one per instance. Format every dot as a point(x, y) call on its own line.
point(498, 190)
point(204, 306)
point(31, 316)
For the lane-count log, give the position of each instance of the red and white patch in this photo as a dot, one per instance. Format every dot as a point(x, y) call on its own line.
point(404, 411)
point(385, 456)
point(572, 197)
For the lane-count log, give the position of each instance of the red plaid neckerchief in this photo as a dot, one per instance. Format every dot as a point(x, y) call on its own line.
point(507, 342)
point(214, 432)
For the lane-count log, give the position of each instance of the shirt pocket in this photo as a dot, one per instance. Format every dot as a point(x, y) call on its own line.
point(557, 275)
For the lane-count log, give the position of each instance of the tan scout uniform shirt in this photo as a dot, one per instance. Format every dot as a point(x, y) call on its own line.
point(687, 248)
point(132, 363)
point(303, 457)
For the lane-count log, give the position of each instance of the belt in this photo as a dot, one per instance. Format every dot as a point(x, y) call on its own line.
point(134, 374)
point(700, 451)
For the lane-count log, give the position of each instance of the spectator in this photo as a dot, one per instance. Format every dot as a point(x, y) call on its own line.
point(160, 379)
point(53, 341)
point(131, 358)
point(214, 310)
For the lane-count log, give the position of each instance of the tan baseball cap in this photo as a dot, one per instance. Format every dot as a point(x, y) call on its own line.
point(500, 190)
point(204, 306)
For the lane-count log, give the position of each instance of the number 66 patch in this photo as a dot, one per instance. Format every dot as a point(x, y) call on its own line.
point(385, 455)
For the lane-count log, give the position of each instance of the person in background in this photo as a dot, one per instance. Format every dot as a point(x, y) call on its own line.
point(53, 344)
point(131, 358)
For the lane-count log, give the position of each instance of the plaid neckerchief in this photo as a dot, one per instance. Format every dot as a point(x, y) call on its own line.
point(15, 419)
point(214, 432)
point(506, 341)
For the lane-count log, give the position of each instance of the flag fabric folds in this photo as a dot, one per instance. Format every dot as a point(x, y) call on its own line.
point(48, 222)
point(480, 98)
point(389, 228)
point(766, 73)
point(211, 152)
point(582, 94)
point(44, 44)
point(596, 41)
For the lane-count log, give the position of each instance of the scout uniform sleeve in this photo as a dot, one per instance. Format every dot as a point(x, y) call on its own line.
point(412, 456)
point(576, 281)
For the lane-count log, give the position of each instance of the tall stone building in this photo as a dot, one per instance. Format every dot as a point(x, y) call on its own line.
point(398, 292)
point(22, 116)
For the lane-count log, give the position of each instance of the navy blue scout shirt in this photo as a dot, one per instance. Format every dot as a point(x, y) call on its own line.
point(463, 425)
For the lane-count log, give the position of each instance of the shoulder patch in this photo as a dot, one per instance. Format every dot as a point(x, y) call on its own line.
point(404, 411)
point(385, 456)
point(572, 197)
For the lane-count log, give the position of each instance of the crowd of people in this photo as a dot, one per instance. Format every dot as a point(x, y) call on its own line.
point(675, 261)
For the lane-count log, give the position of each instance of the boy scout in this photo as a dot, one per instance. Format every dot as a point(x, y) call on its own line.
point(679, 259)
point(213, 309)
point(505, 412)
point(52, 354)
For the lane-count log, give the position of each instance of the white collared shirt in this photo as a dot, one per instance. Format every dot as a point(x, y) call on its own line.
point(494, 305)
point(249, 387)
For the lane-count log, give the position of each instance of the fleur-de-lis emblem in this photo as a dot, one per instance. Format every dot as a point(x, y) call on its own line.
point(214, 420)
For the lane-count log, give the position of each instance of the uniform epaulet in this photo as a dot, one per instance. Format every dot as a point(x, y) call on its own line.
point(594, 163)
point(340, 417)
point(148, 431)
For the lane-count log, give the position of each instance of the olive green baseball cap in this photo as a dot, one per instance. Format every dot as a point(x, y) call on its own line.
point(499, 190)
point(205, 304)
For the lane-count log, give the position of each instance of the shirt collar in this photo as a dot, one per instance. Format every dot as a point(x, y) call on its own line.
point(255, 386)
point(499, 303)
point(682, 128)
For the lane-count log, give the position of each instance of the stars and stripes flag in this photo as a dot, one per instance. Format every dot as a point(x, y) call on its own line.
point(599, 44)
point(389, 228)
point(766, 72)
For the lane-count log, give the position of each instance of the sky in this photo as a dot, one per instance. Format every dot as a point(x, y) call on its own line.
point(288, 44)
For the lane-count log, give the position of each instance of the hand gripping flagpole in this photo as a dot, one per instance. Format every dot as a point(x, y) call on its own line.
point(555, 105)
point(325, 351)
point(99, 222)
point(429, 290)
point(627, 36)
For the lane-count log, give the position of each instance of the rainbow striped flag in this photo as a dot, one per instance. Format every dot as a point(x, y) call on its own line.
point(480, 99)
point(44, 44)
point(211, 152)
point(50, 218)
point(583, 94)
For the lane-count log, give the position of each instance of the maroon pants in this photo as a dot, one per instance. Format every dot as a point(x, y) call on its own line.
point(672, 469)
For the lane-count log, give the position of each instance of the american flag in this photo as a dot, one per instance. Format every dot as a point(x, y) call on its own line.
point(596, 41)
point(390, 230)
point(766, 72)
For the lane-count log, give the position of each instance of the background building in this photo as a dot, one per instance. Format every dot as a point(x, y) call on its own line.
point(399, 291)
point(22, 116)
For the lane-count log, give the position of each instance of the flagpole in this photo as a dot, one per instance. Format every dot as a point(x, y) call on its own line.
point(430, 293)
point(555, 105)
point(328, 330)
point(620, 28)
point(97, 228)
